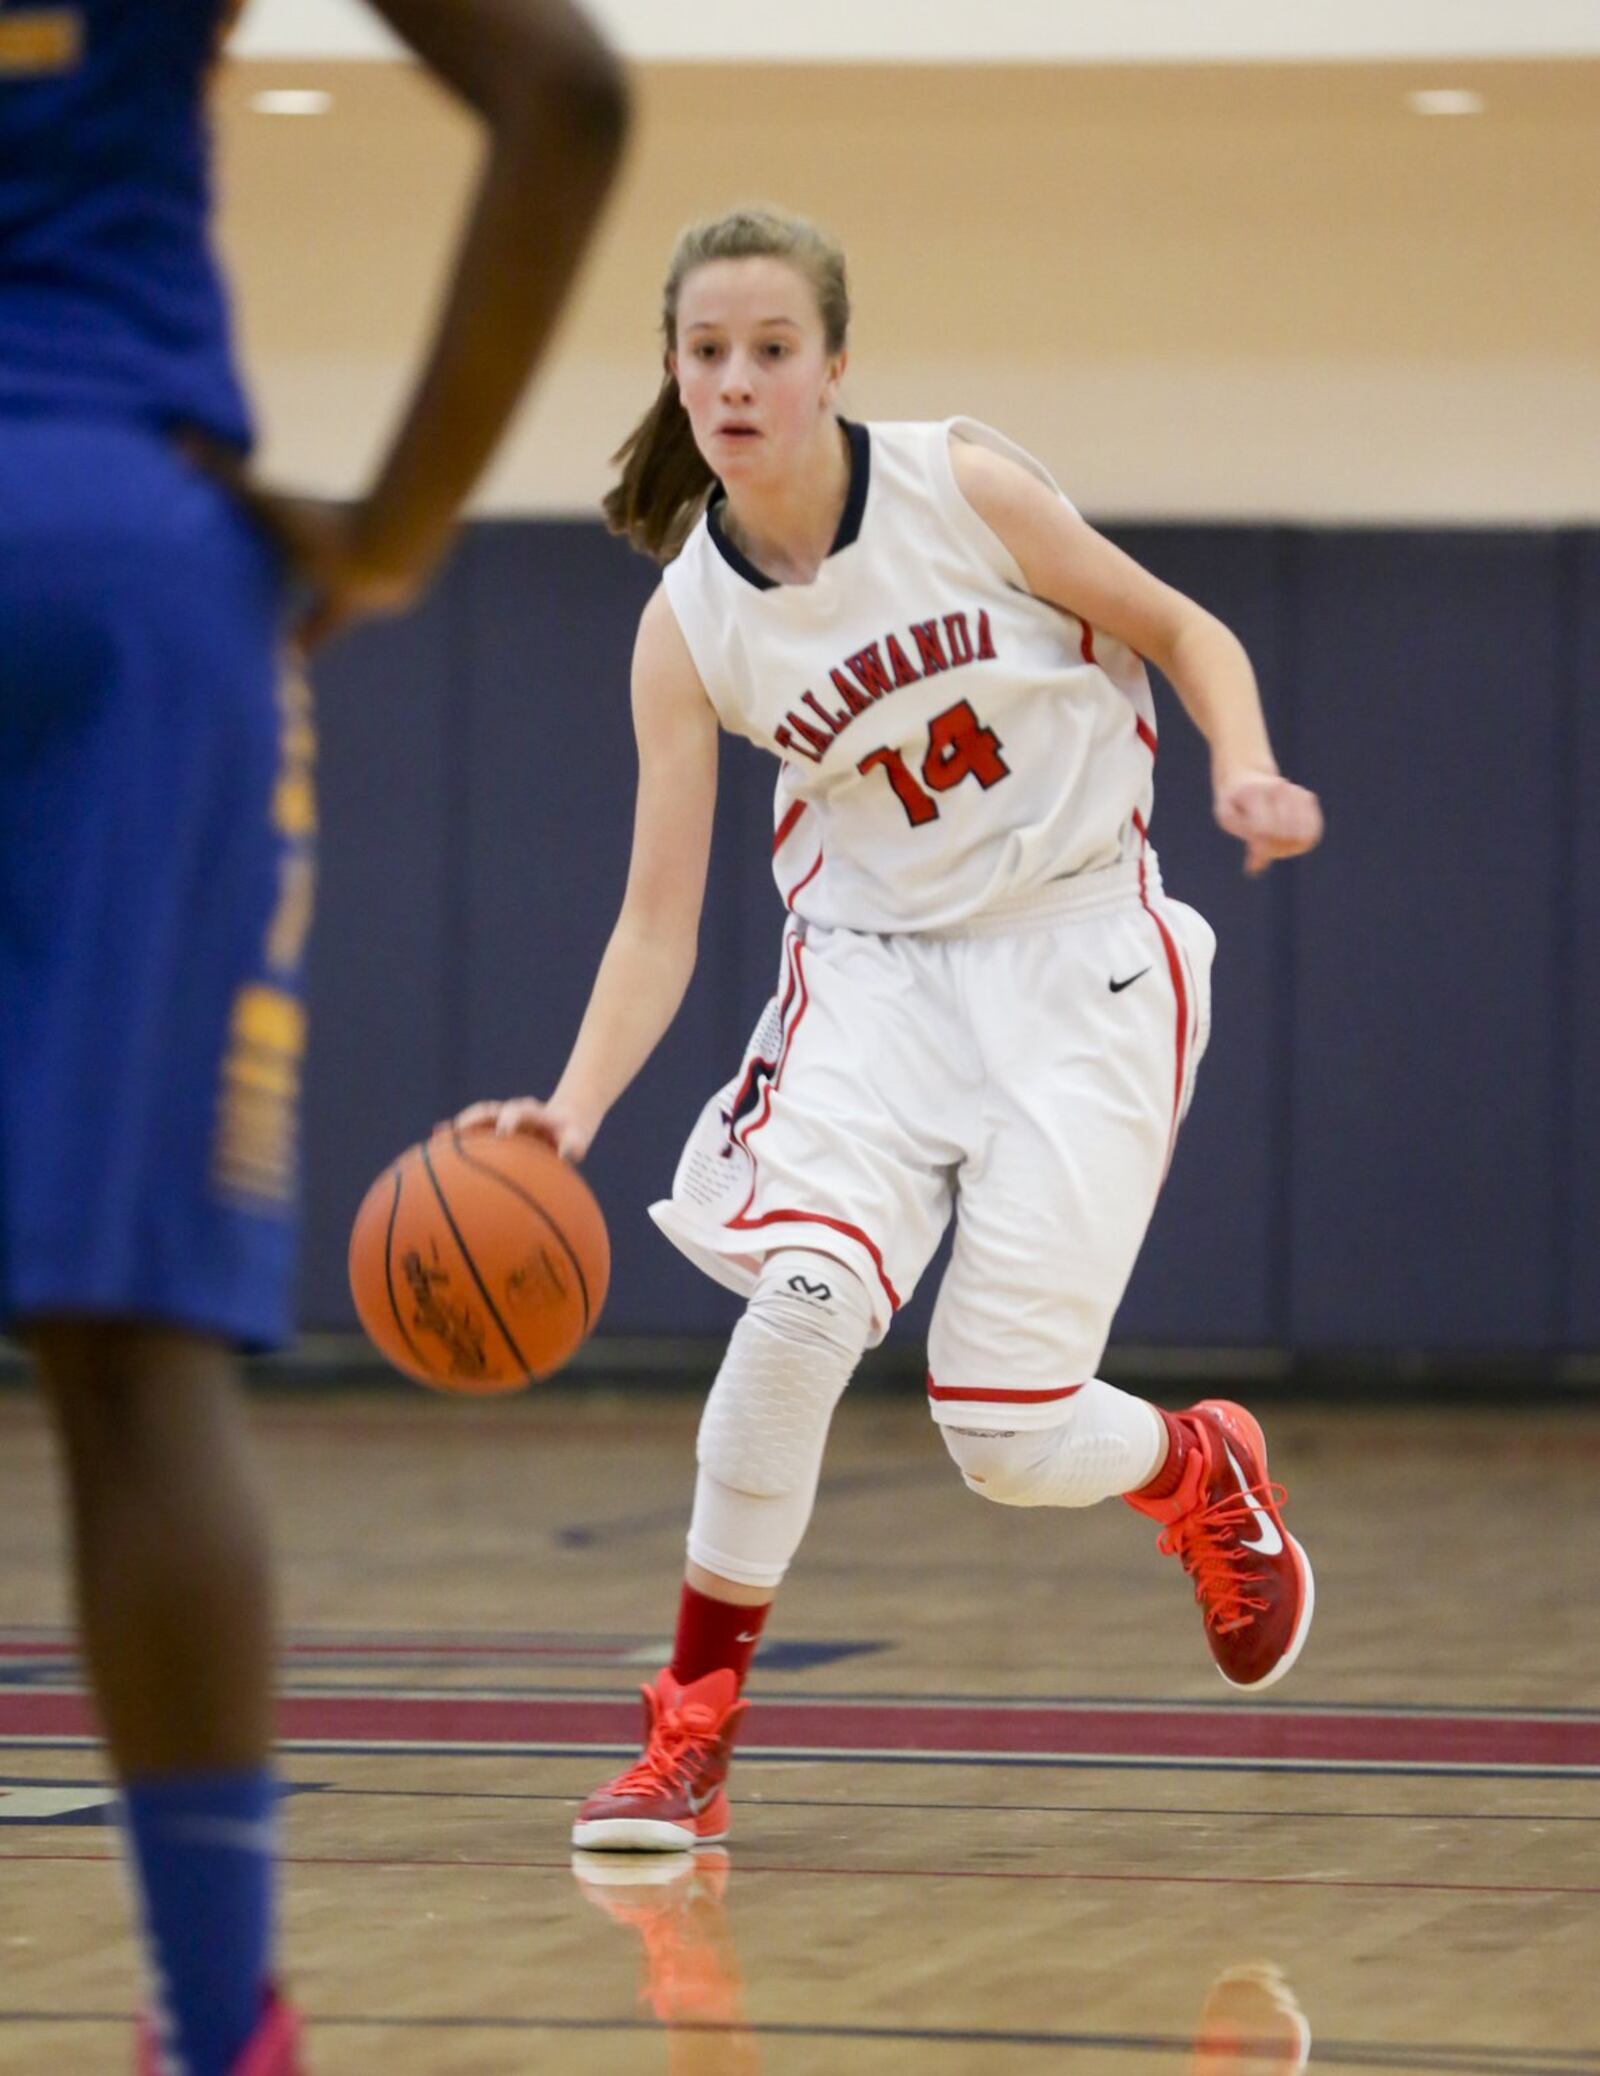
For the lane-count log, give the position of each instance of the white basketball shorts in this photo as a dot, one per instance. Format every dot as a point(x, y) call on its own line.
point(1031, 1081)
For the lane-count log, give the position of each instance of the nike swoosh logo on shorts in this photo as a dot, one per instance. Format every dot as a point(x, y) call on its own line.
point(1271, 1543)
point(1116, 986)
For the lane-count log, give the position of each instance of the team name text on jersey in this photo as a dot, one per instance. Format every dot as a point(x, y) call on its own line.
point(948, 641)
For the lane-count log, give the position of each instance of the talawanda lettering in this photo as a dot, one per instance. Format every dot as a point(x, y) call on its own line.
point(947, 641)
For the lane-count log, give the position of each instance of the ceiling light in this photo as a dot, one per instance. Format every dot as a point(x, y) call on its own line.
point(292, 101)
point(1446, 101)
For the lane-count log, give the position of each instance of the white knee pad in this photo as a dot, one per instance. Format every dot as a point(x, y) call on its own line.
point(1109, 1442)
point(766, 1421)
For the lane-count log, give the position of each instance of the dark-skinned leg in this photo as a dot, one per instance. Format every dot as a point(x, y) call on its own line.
point(175, 1610)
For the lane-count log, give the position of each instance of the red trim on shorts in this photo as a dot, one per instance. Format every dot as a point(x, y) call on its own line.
point(943, 1393)
point(790, 948)
point(785, 828)
point(741, 1222)
point(838, 1225)
point(797, 979)
point(1179, 990)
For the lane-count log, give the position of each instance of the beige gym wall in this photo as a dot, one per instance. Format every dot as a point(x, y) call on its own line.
point(1229, 292)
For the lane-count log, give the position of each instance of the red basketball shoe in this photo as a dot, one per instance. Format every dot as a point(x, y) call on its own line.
point(274, 2051)
point(1251, 1578)
point(673, 1798)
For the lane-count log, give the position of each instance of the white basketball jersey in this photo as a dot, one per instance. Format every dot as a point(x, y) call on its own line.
point(952, 748)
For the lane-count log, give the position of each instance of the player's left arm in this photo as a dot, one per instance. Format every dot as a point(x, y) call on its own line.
point(1066, 562)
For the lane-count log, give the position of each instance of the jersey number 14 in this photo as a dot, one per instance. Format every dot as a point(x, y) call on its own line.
point(959, 747)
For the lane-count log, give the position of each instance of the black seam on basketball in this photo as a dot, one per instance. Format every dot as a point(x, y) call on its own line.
point(483, 1288)
point(533, 1204)
point(388, 1272)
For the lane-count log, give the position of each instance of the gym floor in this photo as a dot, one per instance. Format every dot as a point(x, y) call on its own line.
point(994, 1809)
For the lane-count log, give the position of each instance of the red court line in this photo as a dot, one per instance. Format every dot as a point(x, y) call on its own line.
point(411, 1647)
point(910, 1728)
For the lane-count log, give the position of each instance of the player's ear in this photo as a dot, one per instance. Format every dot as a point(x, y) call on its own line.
point(837, 363)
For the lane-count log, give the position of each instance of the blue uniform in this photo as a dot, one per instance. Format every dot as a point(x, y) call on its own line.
point(156, 815)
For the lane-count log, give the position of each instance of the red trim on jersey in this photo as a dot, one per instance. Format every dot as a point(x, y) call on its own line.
point(742, 1224)
point(785, 828)
point(800, 885)
point(1147, 734)
point(1086, 643)
point(945, 1393)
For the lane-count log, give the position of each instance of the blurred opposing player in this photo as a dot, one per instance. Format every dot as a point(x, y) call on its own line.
point(156, 824)
point(986, 1008)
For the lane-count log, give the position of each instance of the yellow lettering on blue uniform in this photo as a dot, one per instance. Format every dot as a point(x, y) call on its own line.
point(291, 917)
point(294, 816)
point(270, 1020)
point(36, 41)
point(294, 805)
point(257, 1145)
point(294, 798)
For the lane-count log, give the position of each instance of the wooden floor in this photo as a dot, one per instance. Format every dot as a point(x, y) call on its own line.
point(996, 1813)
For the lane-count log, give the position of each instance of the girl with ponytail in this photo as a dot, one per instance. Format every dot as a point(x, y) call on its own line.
point(665, 477)
point(987, 1008)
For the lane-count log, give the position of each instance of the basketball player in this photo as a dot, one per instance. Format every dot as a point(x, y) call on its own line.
point(156, 825)
point(987, 1006)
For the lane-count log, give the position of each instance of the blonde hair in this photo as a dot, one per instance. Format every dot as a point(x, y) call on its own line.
point(665, 480)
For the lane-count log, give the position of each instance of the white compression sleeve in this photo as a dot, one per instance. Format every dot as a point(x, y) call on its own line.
point(766, 1421)
point(1109, 1443)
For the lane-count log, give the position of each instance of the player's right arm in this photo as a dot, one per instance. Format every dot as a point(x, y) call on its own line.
point(553, 101)
point(648, 962)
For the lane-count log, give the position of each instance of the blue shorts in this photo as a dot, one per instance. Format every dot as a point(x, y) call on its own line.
point(156, 834)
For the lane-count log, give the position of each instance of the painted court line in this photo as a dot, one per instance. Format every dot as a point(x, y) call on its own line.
point(29, 1643)
point(795, 1871)
point(790, 1727)
point(1176, 1812)
point(1182, 1810)
point(1445, 2059)
point(756, 1755)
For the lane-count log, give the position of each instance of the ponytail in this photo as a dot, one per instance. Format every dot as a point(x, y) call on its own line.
point(666, 481)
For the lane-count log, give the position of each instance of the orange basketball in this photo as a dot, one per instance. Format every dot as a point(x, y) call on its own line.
point(478, 1264)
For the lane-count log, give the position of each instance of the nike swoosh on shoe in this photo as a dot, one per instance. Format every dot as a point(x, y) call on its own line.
point(1271, 1542)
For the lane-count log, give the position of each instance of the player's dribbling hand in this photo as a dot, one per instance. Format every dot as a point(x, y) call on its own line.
point(1271, 816)
point(553, 1122)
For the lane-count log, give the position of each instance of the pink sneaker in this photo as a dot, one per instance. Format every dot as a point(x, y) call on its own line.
point(274, 2051)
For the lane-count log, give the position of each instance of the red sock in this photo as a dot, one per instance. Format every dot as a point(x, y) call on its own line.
point(712, 1634)
point(1180, 1446)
